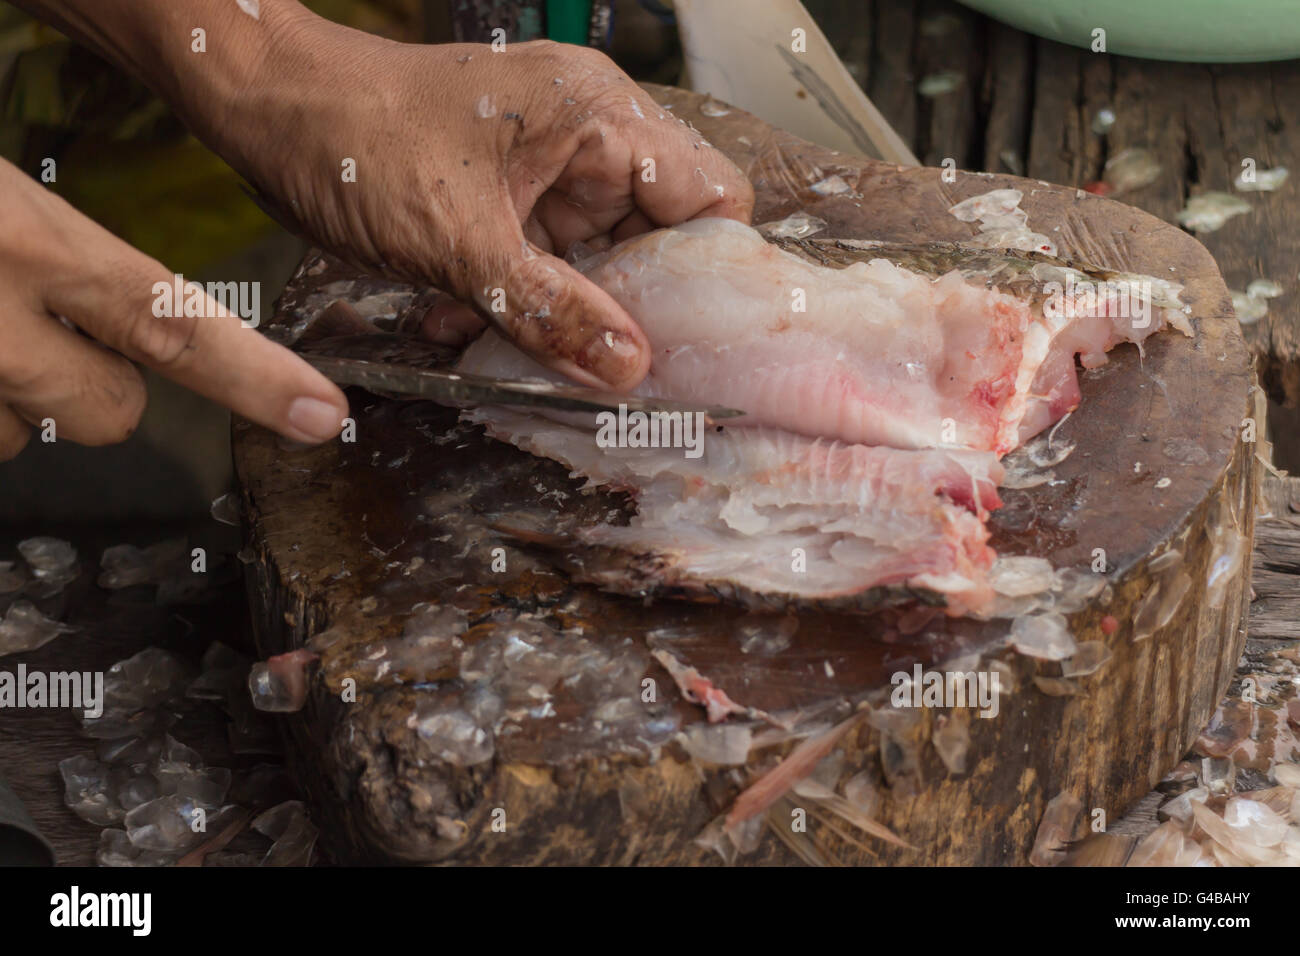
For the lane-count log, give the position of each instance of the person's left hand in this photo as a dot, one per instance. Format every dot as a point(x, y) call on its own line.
point(474, 170)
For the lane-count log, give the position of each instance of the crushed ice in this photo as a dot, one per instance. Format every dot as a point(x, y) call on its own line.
point(1002, 223)
point(797, 225)
point(25, 628)
point(1265, 180)
point(1128, 170)
point(1210, 210)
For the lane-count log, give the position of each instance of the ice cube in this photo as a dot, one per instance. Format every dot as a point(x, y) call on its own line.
point(1210, 210)
point(452, 734)
point(88, 791)
point(25, 628)
point(1130, 169)
point(724, 745)
point(795, 226)
point(53, 563)
point(1044, 636)
point(226, 509)
point(279, 684)
point(292, 831)
point(168, 824)
point(1263, 181)
point(1249, 308)
point(116, 849)
point(137, 790)
point(126, 565)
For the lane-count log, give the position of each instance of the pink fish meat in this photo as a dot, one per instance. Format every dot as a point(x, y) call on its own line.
point(878, 398)
point(872, 353)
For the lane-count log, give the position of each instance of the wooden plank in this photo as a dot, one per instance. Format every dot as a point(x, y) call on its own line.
point(892, 79)
point(1008, 90)
point(948, 41)
point(849, 28)
point(1055, 129)
point(1274, 612)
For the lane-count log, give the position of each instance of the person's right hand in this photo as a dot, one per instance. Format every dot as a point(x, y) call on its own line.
point(55, 262)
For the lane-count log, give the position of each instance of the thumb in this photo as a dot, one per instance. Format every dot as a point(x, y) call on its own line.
point(556, 314)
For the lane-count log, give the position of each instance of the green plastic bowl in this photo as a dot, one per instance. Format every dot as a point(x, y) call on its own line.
point(1203, 31)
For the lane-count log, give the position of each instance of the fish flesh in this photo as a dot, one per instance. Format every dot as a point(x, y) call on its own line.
point(881, 384)
point(867, 353)
point(769, 519)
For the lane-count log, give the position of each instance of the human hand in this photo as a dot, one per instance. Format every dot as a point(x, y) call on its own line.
point(471, 168)
point(55, 262)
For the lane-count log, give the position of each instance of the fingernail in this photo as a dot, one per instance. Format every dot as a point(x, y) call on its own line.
point(314, 420)
point(612, 356)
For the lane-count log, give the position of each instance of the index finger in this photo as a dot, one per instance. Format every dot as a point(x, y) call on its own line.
point(131, 303)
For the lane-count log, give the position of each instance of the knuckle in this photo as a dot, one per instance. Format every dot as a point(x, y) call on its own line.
point(542, 303)
point(596, 59)
point(21, 372)
point(114, 407)
point(131, 286)
point(161, 342)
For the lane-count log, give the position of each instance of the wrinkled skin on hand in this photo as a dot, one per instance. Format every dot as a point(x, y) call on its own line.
point(473, 167)
point(57, 264)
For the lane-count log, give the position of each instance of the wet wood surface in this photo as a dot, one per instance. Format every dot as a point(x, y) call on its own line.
point(416, 739)
point(1027, 105)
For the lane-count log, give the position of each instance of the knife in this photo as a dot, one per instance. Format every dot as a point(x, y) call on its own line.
point(459, 388)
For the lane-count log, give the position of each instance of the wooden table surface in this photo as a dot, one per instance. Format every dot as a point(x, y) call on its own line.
point(1031, 102)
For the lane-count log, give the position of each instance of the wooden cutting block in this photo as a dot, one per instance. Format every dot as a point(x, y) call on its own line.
point(472, 704)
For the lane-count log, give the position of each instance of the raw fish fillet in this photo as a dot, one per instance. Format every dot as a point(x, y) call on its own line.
point(833, 490)
point(769, 518)
point(879, 354)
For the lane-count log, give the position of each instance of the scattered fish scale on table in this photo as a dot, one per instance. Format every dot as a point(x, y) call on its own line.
point(881, 384)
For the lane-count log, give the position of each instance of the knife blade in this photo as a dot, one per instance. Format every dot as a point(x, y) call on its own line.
point(458, 389)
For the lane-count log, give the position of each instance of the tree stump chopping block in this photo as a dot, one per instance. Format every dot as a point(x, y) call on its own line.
point(472, 704)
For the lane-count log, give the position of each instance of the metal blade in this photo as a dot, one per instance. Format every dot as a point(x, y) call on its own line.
point(456, 388)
